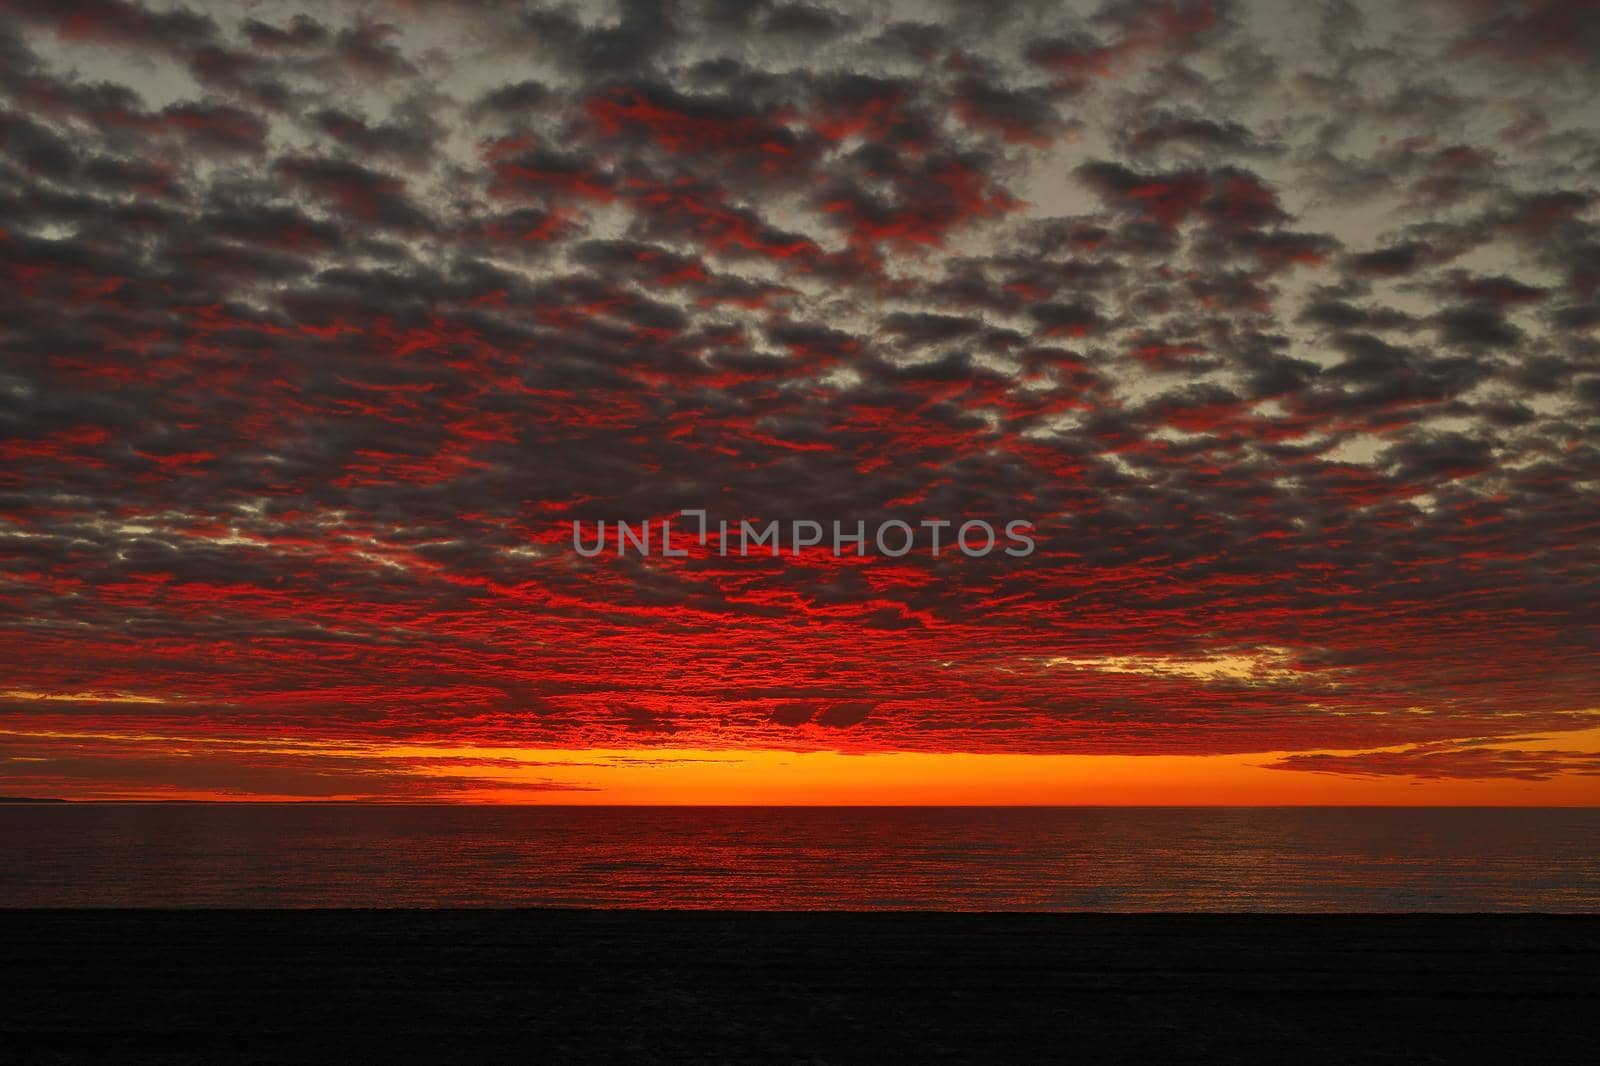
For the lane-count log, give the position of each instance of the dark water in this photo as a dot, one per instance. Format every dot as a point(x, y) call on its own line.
point(1051, 859)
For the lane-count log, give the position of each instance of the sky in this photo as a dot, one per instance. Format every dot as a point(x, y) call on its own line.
point(321, 324)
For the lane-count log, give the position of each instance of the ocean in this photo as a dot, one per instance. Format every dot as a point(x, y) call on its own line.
point(1068, 859)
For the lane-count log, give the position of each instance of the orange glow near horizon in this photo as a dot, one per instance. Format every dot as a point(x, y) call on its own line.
point(958, 779)
point(674, 776)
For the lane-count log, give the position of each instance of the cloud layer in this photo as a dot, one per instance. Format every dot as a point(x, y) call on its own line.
point(319, 328)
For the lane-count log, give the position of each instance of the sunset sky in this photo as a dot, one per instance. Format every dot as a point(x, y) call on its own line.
point(321, 323)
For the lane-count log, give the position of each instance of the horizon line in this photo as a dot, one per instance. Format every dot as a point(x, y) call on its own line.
point(27, 801)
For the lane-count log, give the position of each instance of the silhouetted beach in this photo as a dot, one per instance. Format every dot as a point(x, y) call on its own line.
point(469, 986)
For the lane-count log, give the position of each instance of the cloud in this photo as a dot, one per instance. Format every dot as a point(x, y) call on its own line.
point(320, 331)
point(1432, 762)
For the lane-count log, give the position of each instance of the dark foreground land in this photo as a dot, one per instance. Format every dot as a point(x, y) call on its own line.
point(617, 986)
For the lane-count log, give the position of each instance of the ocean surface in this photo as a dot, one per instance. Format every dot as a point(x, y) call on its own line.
point(957, 859)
